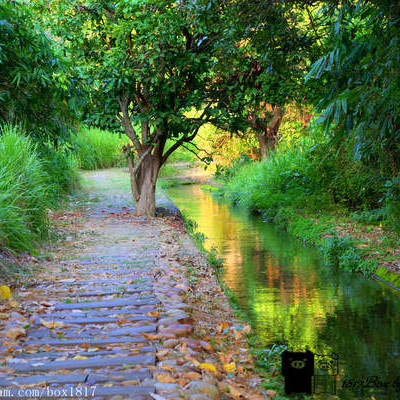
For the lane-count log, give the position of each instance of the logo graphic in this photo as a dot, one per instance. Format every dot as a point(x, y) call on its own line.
point(298, 369)
point(326, 373)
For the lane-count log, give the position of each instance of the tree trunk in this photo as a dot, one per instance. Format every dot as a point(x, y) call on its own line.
point(267, 144)
point(270, 135)
point(266, 125)
point(143, 184)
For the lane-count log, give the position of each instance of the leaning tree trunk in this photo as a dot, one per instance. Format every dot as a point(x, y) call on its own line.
point(143, 184)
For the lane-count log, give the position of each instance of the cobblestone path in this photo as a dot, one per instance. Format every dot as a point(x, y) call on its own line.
point(115, 314)
point(93, 319)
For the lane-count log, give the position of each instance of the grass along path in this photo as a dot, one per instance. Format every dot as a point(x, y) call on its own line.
point(112, 314)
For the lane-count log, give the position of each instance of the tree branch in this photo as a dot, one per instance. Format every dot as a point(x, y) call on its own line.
point(126, 122)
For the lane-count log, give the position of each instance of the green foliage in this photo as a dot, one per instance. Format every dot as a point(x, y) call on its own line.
point(227, 172)
point(305, 174)
point(154, 61)
point(287, 178)
point(182, 154)
point(62, 168)
point(34, 88)
point(25, 192)
point(342, 252)
point(270, 359)
point(95, 148)
point(359, 79)
point(297, 184)
point(392, 202)
point(371, 217)
point(31, 183)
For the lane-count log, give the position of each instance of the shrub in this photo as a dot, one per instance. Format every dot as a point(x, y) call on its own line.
point(392, 203)
point(95, 148)
point(342, 252)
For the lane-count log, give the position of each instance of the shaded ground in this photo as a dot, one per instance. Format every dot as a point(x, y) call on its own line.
point(113, 313)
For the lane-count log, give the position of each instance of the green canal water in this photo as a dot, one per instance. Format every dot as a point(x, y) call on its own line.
point(291, 298)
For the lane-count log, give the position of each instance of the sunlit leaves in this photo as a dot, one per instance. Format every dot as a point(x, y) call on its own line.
point(359, 79)
point(34, 89)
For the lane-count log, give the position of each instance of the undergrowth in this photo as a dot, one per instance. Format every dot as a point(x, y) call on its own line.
point(95, 148)
point(303, 182)
point(32, 181)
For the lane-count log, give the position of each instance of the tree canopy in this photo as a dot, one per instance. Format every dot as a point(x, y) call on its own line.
point(35, 90)
point(158, 69)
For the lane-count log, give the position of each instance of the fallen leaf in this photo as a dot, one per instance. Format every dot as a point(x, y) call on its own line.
point(164, 378)
point(52, 324)
point(208, 367)
point(78, 357)
point(229, 368)
point(222, 326)
point(162, 353)
point(246, 329)
point(153, 313)
point(150, 336)
point(15, 333)
point(5, 292)
point(131, 383)
point(167, 368)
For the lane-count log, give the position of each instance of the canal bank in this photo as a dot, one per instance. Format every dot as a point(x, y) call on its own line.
point(291, 298)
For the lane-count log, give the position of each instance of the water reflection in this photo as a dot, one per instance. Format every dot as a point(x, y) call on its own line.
point(291, 298)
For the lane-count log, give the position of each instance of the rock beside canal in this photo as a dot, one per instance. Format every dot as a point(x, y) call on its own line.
point(204, 388)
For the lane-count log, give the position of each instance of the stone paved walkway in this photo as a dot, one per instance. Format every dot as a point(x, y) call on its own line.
point(99, 320)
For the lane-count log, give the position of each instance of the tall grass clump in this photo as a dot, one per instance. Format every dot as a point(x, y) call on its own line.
point(62, 170)
point(25, 192)
point(95, 148)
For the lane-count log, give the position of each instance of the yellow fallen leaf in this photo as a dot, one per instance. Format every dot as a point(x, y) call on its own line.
point(150, 336)
point(52, 324)
point(153, 313)
point(230, 367)
point(80, 358)
point(208, 367)
point(5, 292)
point(223, 326)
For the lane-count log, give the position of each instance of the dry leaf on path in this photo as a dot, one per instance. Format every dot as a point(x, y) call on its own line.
point(15, 333)
point(52, 324)
point(78, 357)
point(208, 367)
point(229, 368)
